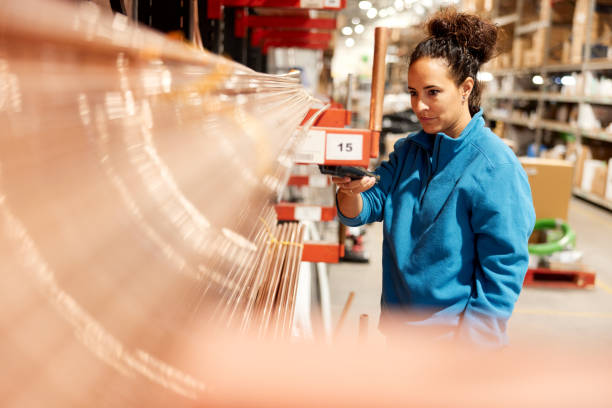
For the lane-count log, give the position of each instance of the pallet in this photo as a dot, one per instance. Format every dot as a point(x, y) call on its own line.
point(555, 278)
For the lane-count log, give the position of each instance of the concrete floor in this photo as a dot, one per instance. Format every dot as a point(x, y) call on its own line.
point(577, 316)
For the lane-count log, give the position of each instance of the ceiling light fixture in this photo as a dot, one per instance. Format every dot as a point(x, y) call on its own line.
point(484, 76)
point(365, 5)
point(349, 42)
point(372, 13)
point(347, 30)
point(359, 28)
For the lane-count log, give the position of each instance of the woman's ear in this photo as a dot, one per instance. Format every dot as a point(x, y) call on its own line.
point(467, 86)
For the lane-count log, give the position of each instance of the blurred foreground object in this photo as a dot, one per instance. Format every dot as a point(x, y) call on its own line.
point(142, 264)
point(137, 178)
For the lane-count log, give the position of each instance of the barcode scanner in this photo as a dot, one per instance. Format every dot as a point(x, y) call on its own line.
point(355, 173)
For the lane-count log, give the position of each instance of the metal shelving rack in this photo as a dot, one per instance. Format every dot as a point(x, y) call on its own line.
point(536, 122)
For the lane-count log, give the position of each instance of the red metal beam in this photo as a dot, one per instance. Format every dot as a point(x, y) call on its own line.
point(544, 277)
point(244, 21)
point(322, 252)
point(213, 9)
point(332, 117)
point(258, 35)
point(312, 180)
point(292, 44)
point(300, 212)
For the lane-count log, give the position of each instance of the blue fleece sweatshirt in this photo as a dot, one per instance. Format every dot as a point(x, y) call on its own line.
point(457, 215)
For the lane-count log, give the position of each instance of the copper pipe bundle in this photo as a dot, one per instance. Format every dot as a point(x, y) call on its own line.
point(137, 178)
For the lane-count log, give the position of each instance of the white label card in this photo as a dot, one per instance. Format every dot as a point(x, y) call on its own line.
point(317, 180)
point(307, 213)
point(332, 3)
point(344, 146)
point(312, 148)
point(311, 4)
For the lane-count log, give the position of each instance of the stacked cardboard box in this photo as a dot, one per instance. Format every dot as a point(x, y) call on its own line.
point(578, 30)
point(608, 192)
point(529, 49)
point(551, 186)
point(593, 175)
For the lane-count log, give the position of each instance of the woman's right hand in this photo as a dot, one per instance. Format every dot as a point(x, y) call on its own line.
point(349, 198)
point(353, 187)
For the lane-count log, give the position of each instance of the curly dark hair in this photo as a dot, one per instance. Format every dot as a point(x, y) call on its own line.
point(465, 41)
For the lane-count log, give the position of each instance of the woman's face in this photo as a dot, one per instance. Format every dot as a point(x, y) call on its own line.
point(437, 101)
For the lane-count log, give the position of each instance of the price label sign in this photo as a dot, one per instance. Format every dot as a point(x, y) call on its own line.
point(316, 4)
point(307, 213)
point(317, 180)
point(343, 146)
point(332, 3)
point(312, 148)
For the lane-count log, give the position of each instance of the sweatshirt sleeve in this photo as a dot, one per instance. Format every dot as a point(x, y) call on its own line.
point(502, 220)
point(374, 198)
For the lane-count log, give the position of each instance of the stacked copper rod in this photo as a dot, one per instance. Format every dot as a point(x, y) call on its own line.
point(137, 183)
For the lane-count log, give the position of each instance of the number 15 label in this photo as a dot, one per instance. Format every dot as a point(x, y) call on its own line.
point(342, 146)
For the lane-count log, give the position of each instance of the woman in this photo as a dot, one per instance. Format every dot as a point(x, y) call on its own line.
point(454, 200)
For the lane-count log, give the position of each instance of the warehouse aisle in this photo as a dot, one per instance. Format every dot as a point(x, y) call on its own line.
point(582, 317)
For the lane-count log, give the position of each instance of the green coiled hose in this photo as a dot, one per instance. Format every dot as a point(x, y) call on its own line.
point(566, 241)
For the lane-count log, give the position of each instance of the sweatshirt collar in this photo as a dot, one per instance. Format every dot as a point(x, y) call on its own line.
point(448, 146)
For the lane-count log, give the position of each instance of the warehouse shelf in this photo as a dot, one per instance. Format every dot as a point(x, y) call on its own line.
point(592, 198)
point(542, 44)
point(557, 126)
point(531, 27)
point(558, 97)
point(553, 125)
point(507, 19)
point(513, 120)
point(598, 65)
point(597, 135)
point(515, 95)
point(561, 68)
point(588, 66)
point(552, 97)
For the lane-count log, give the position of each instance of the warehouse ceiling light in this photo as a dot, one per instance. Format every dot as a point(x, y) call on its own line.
point(484, 76)
point(420, 10)
point(355, 20)
point(568, 80)
point(399, 5)
point(537, 79)
point(347, 30)
point(365, 5)
point(372, 13)
point(359, 28)
point(382, 13)
point(349, 42)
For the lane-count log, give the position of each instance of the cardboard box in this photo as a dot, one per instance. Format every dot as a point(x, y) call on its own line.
point(590, 171)
point(583, 154)
point(608, 194)
point(517, 53)
point(551, 185)
point(599, 180)
point(579, 30)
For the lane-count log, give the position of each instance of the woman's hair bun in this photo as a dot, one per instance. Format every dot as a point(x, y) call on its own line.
point(475, 34)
